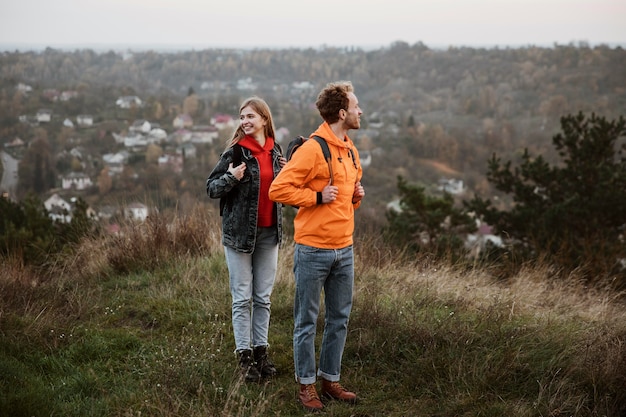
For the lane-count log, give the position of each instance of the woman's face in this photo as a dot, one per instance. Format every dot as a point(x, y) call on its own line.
point(251, 122)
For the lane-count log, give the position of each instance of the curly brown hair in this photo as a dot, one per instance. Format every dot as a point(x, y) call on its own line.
point(333, 98)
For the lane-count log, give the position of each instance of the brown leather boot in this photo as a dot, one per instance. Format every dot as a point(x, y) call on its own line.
point(335, 391)
point(309, 398)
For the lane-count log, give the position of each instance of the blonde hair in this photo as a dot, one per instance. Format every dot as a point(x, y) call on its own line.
point(263, 109)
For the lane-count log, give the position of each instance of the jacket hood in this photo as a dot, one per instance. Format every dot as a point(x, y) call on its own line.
point(327, 133)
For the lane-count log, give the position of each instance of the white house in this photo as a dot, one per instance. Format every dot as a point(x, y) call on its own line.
point(24, 88)
point(141, 126)
point(84, 120)
point(44, 115)
point(76, 180)
point(206, 134)
point(223, 121)
point(451, 186)
point(68, 95)
point(127, 102)
point(58, 209)
point(182, 121)
point(136, 211)
point(115, 162)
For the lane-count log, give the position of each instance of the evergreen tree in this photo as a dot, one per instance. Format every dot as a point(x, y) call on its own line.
point(427, 223)
point(572, 213)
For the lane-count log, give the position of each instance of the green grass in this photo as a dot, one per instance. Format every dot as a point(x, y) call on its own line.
point(424, 340)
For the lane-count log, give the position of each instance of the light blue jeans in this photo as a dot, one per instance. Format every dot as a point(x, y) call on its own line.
point(252, 277)
point(333, 271)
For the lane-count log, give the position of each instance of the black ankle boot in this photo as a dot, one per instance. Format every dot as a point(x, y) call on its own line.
point(247, 366)
point(264, 365)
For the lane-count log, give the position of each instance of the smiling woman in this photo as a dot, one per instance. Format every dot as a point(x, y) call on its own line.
point(142, 23)
point(251, 231)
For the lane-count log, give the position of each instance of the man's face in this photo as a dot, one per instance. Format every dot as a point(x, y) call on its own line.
point(353, 113)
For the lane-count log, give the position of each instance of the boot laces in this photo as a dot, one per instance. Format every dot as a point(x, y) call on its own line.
point(311, 392)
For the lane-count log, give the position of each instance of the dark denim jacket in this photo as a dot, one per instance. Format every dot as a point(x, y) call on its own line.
point(241, 199)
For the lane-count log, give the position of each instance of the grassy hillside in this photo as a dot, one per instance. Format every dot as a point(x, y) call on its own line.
point(138, 324)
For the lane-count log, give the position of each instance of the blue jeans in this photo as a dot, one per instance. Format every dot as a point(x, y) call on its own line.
point(252, 278)
point(333, 271)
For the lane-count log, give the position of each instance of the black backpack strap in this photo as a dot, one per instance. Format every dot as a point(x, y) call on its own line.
point(237, 158)
point(326, 152)
point(237, 155)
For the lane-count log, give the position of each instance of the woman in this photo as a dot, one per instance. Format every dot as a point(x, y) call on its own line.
point(251, 231)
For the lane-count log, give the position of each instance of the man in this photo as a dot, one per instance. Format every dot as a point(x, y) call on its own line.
point(323, 256)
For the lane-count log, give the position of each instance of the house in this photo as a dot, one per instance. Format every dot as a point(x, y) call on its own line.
point(78, 152)
point(173, 162)
point(76, 180)
point(182, 121)
point(187, 150)
point(58, 209)
point(244, 84)
point(24, 88)
point(302, 86)
point(15, 144)
point(51, 94)
point(127, 102)
point(68, 123)
point(136, 211)
point(223, 121)
point(135, 141)
point(68, 95)
point(44, 115)
point(477, 242)
point(203, 134)
point(157, 135)
point(84, 120)
point(451, 186)
point(140, 126)
point(115, 162)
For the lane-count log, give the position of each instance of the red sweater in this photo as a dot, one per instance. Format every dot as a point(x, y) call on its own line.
point(265, 216)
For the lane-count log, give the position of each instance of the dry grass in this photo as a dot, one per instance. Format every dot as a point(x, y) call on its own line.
point(139, 324)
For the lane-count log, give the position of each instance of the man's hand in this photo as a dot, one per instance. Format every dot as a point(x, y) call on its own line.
point(329, 193)
point(359, 193)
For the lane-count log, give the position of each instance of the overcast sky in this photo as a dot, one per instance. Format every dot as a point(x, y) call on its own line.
point(303, 23)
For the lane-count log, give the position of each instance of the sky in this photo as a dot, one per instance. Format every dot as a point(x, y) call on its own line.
point(199, 24)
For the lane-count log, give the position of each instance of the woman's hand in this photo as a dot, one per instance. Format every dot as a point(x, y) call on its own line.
point(237, 171)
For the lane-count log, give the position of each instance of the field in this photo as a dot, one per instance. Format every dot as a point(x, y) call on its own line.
point(138, 324)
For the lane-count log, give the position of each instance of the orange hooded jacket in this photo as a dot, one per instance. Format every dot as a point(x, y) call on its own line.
point(326, 226)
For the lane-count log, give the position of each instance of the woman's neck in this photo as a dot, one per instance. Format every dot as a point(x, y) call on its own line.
point(260, 137)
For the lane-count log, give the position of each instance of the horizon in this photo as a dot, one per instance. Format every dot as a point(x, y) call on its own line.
point(10, 47)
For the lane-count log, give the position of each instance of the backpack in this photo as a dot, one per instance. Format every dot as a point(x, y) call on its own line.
point(295, 144)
